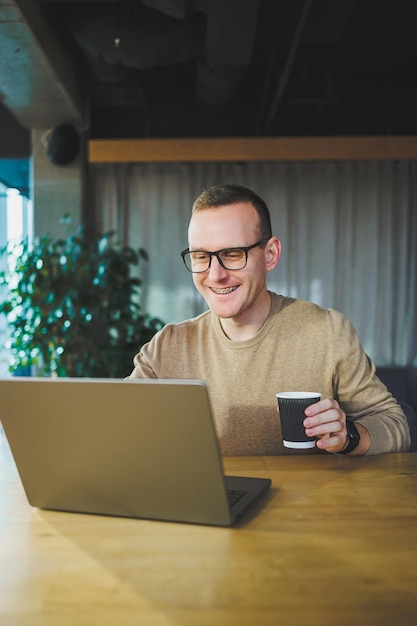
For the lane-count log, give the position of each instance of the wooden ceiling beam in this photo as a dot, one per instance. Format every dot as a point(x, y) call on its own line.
point(253, 149)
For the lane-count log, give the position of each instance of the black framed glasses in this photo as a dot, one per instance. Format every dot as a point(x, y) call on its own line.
point(198, 261)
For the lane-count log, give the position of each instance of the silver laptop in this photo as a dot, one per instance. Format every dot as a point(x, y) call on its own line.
point(142, 448)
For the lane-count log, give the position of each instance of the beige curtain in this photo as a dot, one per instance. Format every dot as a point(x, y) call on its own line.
point(348, 229)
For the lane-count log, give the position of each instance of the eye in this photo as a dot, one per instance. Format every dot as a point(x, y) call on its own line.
point(199, 256)
point(232, 255)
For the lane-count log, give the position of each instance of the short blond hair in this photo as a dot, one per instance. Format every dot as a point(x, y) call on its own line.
point(222, 195)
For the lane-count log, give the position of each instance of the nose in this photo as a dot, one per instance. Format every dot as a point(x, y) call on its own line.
point(216, 271)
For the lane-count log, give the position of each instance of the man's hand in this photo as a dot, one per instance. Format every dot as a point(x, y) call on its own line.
point(326, 421)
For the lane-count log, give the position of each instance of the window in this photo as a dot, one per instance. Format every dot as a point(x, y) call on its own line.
point(16, 223)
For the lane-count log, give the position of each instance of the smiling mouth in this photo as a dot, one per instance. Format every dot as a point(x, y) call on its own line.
point(224, 290)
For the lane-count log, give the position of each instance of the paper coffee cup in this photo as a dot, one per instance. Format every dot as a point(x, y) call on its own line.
point(292, 405)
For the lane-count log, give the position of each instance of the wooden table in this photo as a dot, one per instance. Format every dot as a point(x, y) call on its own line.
point(334, 543)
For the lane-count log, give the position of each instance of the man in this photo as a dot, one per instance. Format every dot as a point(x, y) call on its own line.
point(253, 343)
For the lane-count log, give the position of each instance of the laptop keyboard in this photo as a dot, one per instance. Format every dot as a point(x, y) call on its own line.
point(234, 495)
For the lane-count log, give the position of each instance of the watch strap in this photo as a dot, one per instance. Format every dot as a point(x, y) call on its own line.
point(353, 436)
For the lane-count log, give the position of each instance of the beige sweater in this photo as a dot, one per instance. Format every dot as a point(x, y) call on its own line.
point(300, 347)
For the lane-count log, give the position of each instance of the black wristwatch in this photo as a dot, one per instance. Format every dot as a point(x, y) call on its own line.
point(353, 436)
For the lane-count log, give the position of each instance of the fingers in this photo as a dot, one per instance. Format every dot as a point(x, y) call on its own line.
point(326, 421)
point(332, 443)
point(322, 405)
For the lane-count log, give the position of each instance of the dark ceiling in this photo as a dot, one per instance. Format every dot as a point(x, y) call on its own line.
point(212, 68)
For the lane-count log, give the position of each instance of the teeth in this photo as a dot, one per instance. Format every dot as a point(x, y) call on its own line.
point(226, 290)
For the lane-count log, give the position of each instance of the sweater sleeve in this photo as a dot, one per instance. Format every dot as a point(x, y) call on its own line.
point(146, 361)
point(362, 395)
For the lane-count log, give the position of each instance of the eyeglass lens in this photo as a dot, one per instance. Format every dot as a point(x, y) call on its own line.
point(199, 260)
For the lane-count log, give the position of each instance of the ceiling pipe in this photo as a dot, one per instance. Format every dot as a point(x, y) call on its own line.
point(287, 69)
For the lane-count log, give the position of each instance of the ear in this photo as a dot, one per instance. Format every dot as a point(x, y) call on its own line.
point(272, 253)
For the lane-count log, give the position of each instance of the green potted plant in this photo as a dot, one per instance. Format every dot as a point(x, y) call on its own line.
point(72, 306)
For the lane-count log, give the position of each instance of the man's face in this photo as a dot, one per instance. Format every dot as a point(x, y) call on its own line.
point(228, 293)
